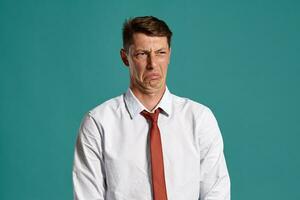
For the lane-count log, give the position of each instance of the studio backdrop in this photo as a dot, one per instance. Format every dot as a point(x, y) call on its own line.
point(60, 58)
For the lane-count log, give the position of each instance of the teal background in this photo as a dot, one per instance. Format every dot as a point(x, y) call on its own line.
point(60, 58)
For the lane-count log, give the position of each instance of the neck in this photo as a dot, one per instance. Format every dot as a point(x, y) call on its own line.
point(149, 100)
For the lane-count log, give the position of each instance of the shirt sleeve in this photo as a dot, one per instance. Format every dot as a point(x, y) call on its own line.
point(214, 177)
point(88, 167)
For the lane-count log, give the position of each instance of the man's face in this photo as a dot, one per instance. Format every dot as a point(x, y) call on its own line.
point(148, 58)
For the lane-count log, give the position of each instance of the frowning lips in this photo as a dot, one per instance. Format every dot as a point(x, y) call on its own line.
point(153, 76)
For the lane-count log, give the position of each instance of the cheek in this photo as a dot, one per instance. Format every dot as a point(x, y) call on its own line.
point(164, 62)
point(137, 70)
point(164, 67)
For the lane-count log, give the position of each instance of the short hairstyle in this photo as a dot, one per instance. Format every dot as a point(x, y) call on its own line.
point(148, 25)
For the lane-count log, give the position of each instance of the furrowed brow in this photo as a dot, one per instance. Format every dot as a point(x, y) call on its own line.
point(161, 49)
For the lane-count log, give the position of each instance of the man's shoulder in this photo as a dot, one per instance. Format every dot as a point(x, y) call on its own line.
point(106, 107)
point(186, 104)
point(185, 101)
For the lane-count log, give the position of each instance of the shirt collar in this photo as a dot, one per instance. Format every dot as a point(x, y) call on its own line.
point(134, 106)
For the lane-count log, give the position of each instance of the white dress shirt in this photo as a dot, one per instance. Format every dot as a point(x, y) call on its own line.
point(112, 158)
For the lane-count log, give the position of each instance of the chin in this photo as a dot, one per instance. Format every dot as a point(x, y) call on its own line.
point(156, 88)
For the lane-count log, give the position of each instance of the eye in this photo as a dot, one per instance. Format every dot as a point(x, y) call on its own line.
point(141, 55)
point(161, 53)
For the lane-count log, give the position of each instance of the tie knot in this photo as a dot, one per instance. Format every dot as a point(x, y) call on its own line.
point(151, 116)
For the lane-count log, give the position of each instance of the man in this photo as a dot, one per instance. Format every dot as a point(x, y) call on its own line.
point(148, 143)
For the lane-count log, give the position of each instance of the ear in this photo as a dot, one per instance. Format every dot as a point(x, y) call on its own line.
point(124, 57)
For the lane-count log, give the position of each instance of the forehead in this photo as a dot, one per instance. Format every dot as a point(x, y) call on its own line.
point(143, 41)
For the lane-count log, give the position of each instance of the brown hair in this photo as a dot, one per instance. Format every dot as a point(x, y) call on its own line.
point(148, 25)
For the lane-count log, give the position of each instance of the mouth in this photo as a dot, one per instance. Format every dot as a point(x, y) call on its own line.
point(153, 76)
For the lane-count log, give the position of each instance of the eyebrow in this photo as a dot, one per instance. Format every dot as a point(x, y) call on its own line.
point(145, 50)
point(161, 49)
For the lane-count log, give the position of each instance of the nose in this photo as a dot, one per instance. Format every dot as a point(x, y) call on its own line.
point(151, 61)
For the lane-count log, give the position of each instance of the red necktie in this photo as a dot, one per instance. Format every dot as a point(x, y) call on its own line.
point(157, 163)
